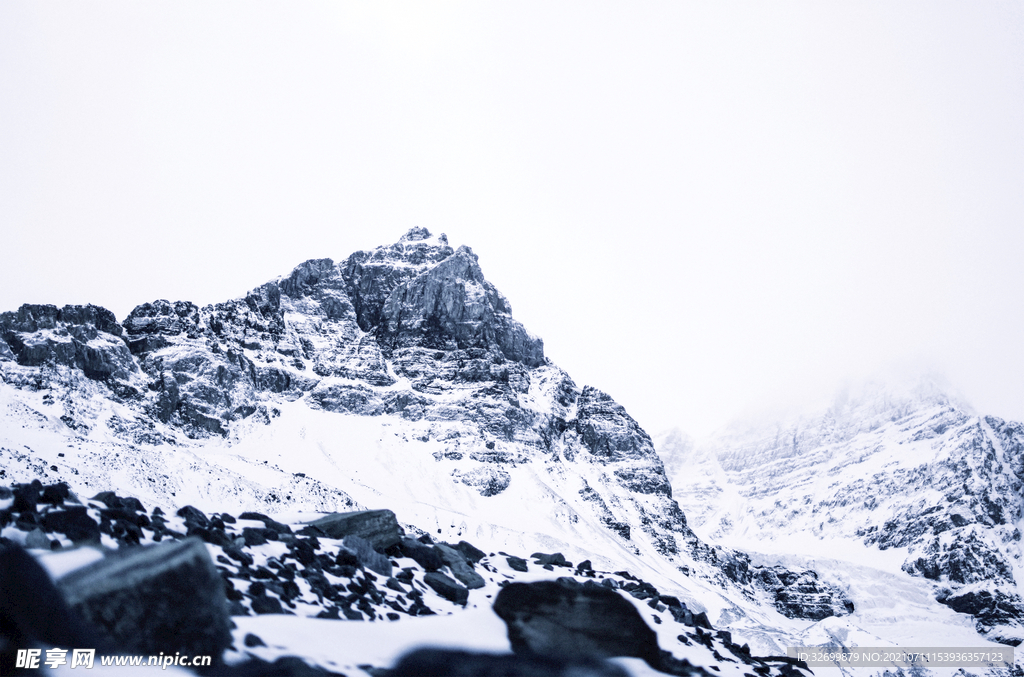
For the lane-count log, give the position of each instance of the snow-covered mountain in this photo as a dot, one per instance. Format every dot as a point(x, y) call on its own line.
point(398, 379)
point(899, 476)
point(396, 376)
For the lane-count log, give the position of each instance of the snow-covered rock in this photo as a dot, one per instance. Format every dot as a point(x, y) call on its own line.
point(907, 470)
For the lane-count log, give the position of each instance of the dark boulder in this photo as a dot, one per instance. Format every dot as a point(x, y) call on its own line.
point(470, 552)
point(449, 663)
point(460, 568)
point(427, 556)
point(367, 556)
point(517, 563)
point(378, 527)
point(567, 620)
point(447, 588)
point(557, 559)
point(74, 522)
point(33, 611)
point(163, 598)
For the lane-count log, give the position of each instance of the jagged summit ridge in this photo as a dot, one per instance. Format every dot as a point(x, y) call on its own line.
point(412, 329)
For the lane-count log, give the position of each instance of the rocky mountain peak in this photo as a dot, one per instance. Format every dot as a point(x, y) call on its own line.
point(408, 340)
point(371, 276)
point(419, 234)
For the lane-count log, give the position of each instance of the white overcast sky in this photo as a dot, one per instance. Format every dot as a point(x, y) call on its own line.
point(701, 207)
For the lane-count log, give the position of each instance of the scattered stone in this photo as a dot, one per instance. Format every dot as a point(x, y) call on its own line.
point(252, 640)
point(471, 553)
point(556, 559)
point(517, 563)
point(192, 516)
point(447, 588)
point(273, 525)
point(460, 568)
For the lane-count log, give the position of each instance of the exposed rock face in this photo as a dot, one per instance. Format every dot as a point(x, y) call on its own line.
point(411, 332)
point(452, 307)
point(83, 337)
point(801, 594)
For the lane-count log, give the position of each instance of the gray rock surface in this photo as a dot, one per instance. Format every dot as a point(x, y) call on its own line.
point(378, 527)
point(367, 556)
point(164, 598)
point(449, 663)
point(460, 568)
point(567, 620)
point(446, 587)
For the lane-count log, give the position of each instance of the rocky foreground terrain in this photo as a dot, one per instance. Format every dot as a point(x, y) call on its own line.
point(175, 581)
point(368, 444)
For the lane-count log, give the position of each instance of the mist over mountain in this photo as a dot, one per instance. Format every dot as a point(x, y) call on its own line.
point(904, 469)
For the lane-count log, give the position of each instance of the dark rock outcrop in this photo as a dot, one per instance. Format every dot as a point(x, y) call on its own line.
point(448, 663)
point(446, 587)
point(82, 337)
point(451, 306)
point(799, 594)
point(165, 598)
point(378, 527)
point(33, 611)
point(572, 621)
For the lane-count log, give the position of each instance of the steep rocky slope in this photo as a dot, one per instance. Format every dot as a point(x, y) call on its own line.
point(906, 470)
point(397, 379)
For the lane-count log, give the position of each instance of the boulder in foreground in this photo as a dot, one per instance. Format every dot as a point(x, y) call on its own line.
point(448, 663)
point(164, 598)
point(379, 527)
point(568, 620)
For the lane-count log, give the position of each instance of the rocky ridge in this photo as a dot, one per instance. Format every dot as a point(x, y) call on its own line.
point(263, 566)
point(412, 333)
